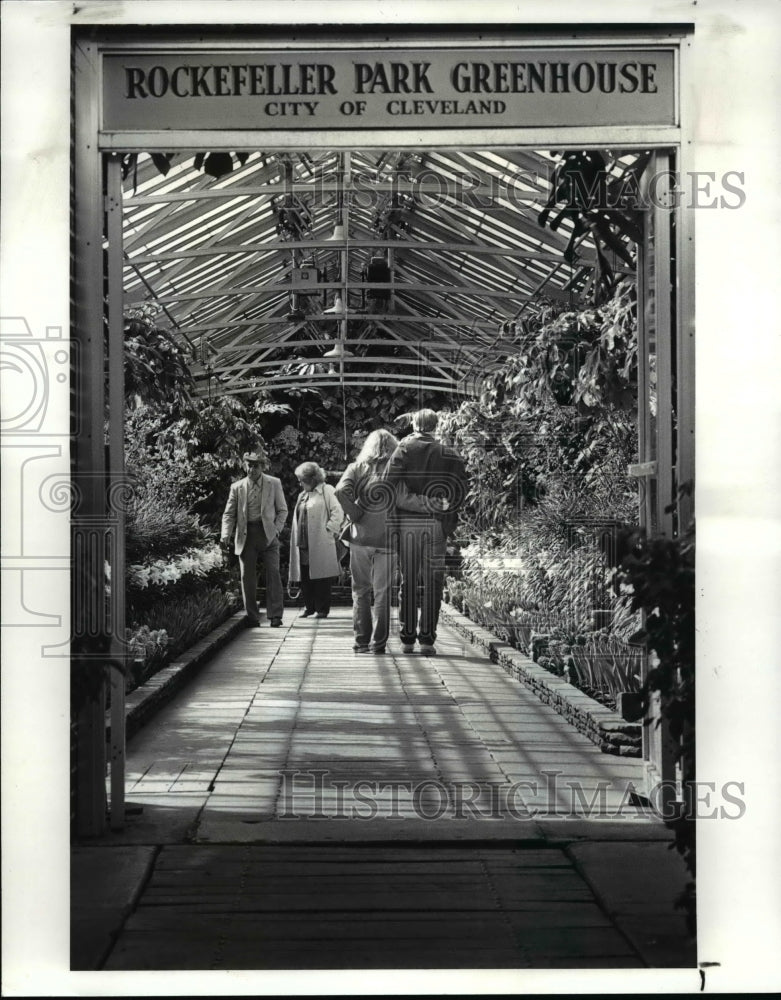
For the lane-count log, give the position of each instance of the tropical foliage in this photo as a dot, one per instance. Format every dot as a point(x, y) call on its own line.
point(156, 368)
point(659, 572)
point(545, 584)
point(558, 414)
point(547, 440)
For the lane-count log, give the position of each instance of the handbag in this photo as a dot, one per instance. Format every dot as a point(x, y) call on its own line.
point(343, 545)
point(345, 533)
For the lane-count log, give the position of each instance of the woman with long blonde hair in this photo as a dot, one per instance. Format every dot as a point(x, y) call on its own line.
point(369, 502)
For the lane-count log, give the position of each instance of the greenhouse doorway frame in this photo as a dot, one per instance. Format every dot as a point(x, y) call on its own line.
point(665, 277)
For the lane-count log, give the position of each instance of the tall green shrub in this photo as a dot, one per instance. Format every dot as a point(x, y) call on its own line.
point(660, 573)
point(559, 415)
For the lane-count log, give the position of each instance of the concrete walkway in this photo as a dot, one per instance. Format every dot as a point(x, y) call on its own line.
point(300, 806)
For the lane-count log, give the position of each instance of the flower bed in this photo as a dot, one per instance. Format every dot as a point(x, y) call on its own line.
point(163, 572)
point(551, 595)
point(172, 603)
point(159, 634)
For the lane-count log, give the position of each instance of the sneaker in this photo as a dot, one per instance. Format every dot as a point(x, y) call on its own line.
point(407, 648)
point(276, 622)
point(360, 649)
point(428, 650)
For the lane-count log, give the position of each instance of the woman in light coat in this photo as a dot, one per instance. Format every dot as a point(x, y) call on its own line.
point(317, 520)
point(369, 502)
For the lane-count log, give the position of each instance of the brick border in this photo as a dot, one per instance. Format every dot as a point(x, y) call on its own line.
point(611, 733)
point(146, 700)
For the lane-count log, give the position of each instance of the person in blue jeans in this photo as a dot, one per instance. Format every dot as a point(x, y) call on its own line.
point(429, 481)
point(368, 501)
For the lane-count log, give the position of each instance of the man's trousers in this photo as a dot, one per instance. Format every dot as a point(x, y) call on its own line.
point(256, 549)
point(422, 561)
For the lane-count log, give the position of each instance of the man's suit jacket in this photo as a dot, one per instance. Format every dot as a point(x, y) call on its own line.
point(273, 511)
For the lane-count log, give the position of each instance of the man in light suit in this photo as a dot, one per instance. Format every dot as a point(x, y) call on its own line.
point(256, 511)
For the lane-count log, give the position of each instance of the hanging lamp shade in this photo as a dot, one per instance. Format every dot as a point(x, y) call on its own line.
point(337, 307)
point(338, 234)
point(337, 351)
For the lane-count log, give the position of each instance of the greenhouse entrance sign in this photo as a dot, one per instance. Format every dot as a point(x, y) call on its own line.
point(399, 88)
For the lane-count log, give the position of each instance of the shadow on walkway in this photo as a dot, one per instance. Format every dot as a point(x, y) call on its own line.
point(301, 806)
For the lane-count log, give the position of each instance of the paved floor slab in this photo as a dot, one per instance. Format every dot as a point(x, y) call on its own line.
point(262, 907)
point(311, 808)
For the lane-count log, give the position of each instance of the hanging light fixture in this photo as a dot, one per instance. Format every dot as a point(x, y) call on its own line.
point(337, 307)
point(337, 354)
point(338, 351)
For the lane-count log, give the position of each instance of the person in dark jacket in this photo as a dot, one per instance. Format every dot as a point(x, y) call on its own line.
point(368, 501)
point(429, 480)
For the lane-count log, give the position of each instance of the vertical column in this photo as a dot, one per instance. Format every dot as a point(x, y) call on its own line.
point(116, 407)
point(665, 341)
point(392, 296)
point(684, 302)
point(88, 449)
point(657, 353)
point(345, 165)
point(684, 305)
point(646, 348)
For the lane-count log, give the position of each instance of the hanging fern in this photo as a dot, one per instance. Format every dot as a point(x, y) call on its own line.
point(584, 194)
point(214, 164)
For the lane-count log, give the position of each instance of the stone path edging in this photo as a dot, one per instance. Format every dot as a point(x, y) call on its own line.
point(141, 704)
point(611, 733)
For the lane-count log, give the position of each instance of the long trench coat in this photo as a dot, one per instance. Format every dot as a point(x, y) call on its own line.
point(325, 518)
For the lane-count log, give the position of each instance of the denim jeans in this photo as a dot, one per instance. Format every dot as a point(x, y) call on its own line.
point(371, 570)
point(422, 558)
point(255, 548)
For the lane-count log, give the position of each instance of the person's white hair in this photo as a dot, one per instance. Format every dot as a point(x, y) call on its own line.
point(424, 421)
point(310, 471)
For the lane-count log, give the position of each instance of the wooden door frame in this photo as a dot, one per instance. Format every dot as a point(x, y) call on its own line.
point(91, 145)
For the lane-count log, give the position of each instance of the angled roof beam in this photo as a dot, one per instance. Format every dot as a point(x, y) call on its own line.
point(401, 244)
point(439, 365)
